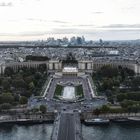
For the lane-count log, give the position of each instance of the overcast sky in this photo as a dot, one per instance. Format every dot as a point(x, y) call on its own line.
point(39, 19)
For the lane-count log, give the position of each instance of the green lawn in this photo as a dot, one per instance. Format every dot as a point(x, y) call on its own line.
point(79, 91)
point(58, 91)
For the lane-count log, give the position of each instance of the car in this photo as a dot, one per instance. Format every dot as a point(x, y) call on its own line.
point(64, 109)
point(76, 110)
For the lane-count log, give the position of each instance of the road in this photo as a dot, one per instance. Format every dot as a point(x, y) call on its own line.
point(67, 127)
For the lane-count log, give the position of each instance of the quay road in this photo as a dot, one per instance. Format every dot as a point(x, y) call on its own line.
point(111, 116)
point(67, 127)
point(22, 118)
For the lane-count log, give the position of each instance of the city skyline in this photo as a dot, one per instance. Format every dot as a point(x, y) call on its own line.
point(95, 19)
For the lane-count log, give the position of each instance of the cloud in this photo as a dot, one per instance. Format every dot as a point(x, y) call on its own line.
point(122, 26)
point(60, 21)
point(97, 12)
point(85, 25)
point(35, 33)
point(74, 31)
point(36, 19)
point(53, 31)
point(44, 20)
point(128, 8)
point(4, 4)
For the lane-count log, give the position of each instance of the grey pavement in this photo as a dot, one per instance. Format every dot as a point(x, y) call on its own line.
point(67, 126)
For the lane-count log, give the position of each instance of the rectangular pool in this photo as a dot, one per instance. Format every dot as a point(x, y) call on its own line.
point(68, 93)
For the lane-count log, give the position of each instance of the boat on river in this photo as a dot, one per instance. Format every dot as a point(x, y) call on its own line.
point(96, 121)
point(120, 120)
point(134, 119)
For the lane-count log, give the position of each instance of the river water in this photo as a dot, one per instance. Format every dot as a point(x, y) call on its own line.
point(112, 132)
point(43, 132)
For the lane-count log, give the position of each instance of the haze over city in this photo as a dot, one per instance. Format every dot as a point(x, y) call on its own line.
point(95, 19)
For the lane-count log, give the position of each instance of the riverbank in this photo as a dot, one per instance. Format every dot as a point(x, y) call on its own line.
point(27, 118)
point(50, 117)
point(26, 121)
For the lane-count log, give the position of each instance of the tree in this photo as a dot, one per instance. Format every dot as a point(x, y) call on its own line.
point(126, 103)
point(7, 98)
point(43, 108)
point(134, 96)
point(19, 83)
point(27, 93)
point(97, 111)
point(16, 97)
point(28, 79)
point(23, 100)
point(36, 58)
point(105, 109)
point(134, 108)
point(5, 106)
point(136, 83)
point(121, 97)
point(116, 83)
point(6, 84)
point(107, 84)
point(32, 70)
point(8, 71)
point(108, 71)
point(38, 75)
point(42, 67)
point(129, 72)
point(35, 110)
point(31, 85)
point(1, 80)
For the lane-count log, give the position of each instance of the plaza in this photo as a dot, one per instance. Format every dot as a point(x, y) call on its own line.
point(69, 84)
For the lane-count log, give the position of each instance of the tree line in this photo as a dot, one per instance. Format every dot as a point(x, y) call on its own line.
point(17, 87)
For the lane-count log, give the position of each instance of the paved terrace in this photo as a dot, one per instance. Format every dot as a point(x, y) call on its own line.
point(86, 88)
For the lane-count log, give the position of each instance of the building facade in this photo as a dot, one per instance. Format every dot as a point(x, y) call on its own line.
point(82, 66)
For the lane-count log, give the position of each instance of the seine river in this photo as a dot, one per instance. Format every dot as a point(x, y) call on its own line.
point(43, 132)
